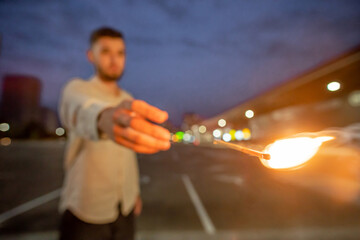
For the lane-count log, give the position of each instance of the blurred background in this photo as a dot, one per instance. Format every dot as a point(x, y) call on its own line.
point(246, 72)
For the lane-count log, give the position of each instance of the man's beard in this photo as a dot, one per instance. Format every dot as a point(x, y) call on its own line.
point(109, 78)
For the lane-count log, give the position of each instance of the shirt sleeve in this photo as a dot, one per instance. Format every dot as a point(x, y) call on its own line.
point(79, 111)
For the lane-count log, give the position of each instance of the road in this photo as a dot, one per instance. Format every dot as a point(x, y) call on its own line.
point(195, 193)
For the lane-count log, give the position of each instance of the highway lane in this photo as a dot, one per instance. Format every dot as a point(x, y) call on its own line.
point(241, 199)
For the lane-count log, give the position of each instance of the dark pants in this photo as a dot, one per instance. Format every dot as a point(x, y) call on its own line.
point(72, 228)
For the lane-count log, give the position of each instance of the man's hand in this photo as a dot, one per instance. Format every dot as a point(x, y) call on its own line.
point(129, 124)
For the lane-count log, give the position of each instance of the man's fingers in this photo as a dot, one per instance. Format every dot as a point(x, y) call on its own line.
point(132, 130)
point(141, 125)
point(130, 108)
point(141, 138)
point(149, 112)
point(122, 117)
point(137, 148)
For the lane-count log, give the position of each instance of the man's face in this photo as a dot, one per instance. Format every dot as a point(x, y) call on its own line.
point(108, 56)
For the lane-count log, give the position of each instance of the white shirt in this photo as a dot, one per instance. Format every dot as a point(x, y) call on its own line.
point(99, 173)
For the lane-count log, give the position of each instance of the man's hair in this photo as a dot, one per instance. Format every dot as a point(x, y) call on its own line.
point(104, 32)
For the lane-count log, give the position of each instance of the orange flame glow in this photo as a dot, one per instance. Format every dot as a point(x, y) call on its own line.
point(292, 152)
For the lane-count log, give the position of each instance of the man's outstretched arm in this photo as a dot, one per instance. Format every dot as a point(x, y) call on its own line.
point(129, 124)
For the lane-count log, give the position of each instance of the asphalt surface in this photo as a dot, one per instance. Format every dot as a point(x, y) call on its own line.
point(196, 193)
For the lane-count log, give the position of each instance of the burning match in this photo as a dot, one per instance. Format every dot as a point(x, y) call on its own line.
point(292, 153)
point(246, 150)
point(288, 153)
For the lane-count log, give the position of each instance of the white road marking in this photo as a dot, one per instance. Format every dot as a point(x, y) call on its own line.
point(199, 207)
point(29, 205)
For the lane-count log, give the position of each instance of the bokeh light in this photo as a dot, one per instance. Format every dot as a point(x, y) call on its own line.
point(232, 133)
point(202, 129)
point(333, 86)
point(6, 141)
point(187, 137)
point(4, 127)
point(249, 114)
point(60, 131)
point(222, 122)
point(217, 133)
point(247, 133)
point(239, 135)
point(179, 136)
point(354, 98)
point(226, 137)
point(174, 138)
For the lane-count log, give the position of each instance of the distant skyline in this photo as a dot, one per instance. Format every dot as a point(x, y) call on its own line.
point(183, 56)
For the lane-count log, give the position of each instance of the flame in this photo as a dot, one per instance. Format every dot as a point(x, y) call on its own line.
point(292, 152)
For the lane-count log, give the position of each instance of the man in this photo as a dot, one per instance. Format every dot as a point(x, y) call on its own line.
point(105, 128)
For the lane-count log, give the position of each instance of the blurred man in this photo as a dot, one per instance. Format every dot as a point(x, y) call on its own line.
point(105, 128)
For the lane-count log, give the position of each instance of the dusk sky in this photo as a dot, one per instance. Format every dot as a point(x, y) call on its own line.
point(183, 56)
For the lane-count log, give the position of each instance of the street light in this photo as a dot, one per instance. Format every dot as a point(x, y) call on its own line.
point(222, 122)
point(249, 113)
point(333, 86)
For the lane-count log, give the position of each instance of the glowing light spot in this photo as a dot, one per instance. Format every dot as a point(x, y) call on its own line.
point(179, 136)
point(187, 137)
point(202, 129)
point(6, 141)
point(247, 133)
point(226, 137)
point(4, 127)
point(239, 135)
point(174, 138)
point(189, 132)
point(249, 114)
point(333, 86)
point(232, 133)
point(292, 152)
point(217, 133)
point(354, 98)
point(60, 131)
point(222, 122)
point(195, 128)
